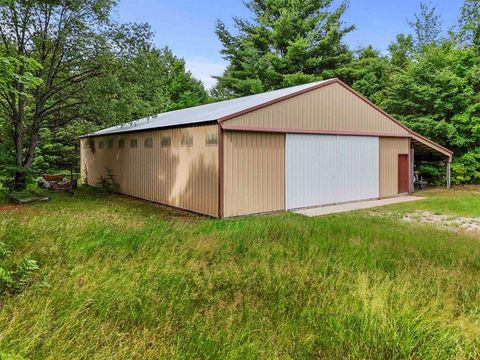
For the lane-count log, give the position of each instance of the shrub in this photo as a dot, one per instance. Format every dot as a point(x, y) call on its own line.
point(108, 183)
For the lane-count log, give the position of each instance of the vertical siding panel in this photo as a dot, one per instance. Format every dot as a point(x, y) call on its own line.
point(329, 108)
point(390, 148)
point(254, 176)
point(141, 175)
point(328, 169)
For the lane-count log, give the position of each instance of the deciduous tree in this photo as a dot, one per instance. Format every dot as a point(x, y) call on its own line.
point(426, 26)
point(64, 37)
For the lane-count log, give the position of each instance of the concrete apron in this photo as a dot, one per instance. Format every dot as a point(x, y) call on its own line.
point(333, 209)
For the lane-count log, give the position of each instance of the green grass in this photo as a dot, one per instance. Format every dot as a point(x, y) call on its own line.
point(463, 201)
point(121, 278)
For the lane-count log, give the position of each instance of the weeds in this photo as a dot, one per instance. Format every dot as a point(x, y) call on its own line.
point(16, 277)
point(108, 182)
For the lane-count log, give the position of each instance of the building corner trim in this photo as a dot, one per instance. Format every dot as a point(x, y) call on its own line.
point(220, 172)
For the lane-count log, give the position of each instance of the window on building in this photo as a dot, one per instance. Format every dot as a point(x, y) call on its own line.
point(110, 144)
point(121, 143)
point(133, 143)
point(100, 144)
point(211, 139)
point(148, 142)
point(187, 139)
point(166, 141)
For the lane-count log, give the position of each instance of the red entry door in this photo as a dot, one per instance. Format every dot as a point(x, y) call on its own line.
point(403, 185)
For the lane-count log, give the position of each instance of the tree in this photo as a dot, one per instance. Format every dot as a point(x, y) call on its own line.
point(64, 37)
point(91, 72)
point(148, 82)
point(436, 96)
point(179, 87)
point(140, 83)
point(469, 24)
point(367, 73)
point(401, 51)
point(426, 26)
point(431, 92)
point(288, 42)
point(10, 77)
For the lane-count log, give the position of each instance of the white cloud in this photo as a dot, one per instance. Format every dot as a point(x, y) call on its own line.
point(204, 71)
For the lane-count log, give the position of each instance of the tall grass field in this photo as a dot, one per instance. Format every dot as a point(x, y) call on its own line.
point(120, 278)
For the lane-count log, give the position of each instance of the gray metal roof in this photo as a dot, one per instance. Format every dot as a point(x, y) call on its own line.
point(204, 113)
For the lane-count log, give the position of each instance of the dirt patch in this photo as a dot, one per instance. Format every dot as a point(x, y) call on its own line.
point(470, 224)
point(8, 207)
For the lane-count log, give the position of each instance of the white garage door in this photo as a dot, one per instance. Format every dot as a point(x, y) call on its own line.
point(329, 169)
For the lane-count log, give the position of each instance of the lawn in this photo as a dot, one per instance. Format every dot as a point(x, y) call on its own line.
point(120, 278)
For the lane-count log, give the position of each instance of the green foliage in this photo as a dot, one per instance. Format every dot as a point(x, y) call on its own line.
point(128, 279)
point(401, 51)
point(8, 169)
point(286, 43)
point(431, 94)
point(17, 83)
point(11, 76)
point(469, 24)
point(111, 74)
point(66, 42)
point(77, 72)
point(15, 276)
point(367, 73)
point(142, 84)
point(426, 26)
point(432, 85)
point(437, 96)
point(466, 168)
point(108, 183)
point(434, 173)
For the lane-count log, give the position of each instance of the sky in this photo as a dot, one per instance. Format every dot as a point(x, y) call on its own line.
point(187, 26)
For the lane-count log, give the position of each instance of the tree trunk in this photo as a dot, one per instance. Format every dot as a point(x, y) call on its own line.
point(20, 180)
point(19, 113)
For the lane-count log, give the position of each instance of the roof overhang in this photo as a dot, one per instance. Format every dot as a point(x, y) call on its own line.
point(133, 131)
point(427, 150)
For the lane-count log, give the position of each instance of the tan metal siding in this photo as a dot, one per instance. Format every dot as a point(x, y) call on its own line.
point(179, 175)
point(390, 148)
point(330, 108)
point(254, 173)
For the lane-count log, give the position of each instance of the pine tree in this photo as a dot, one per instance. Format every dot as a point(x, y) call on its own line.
point(287, 42)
